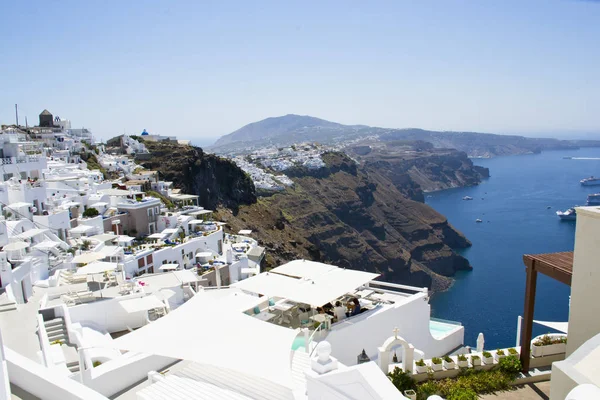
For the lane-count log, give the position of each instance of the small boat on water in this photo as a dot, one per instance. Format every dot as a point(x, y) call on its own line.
point(478, 220)
point(467, 198)
point(569, 215)
point(549, 207)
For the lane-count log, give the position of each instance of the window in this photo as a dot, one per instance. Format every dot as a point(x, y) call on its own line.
point(141, 263)
point(149, 259)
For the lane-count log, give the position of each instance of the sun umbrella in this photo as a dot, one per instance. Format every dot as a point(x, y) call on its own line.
point(16, 246)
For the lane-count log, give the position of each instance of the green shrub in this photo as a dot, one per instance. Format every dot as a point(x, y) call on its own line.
point(436, 360)
point(402, 380)
point(511, 365)
point(500, 352)
point(512, 352)
point(91, 212)
point(448, 359)
point(462, 357)
point(420, 363)
point(96, 364)
point(547, 340)
point(486, 354)
point(467, 385)
point(475, 357)
point(427, 389)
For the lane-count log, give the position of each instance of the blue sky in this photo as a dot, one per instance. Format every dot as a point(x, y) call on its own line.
point(203, 69)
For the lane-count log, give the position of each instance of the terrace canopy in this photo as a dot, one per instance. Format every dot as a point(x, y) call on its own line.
point(14, 246)
point(217, 316)
point(30, 233)
point(325, 284)
point(555, 265)
point(141, 304)
point(96, 268)
point(245, 232)
point(88, 257)
point(169, 267)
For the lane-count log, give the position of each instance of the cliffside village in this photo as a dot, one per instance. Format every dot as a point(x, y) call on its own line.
point(115, 284)
point(266, 166)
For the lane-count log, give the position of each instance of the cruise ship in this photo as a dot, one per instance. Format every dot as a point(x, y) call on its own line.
point(593, 199)
point(591, 181)
point(569, 215)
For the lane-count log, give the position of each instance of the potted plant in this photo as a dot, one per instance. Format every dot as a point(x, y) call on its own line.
point(411, 394)
point(513, 352)
point(487, 358)
point(475, 361)
point(436, 364)
point(449, 363)
point(548, 345)
point(462, 361)
point(500, 354)
point(420, 366)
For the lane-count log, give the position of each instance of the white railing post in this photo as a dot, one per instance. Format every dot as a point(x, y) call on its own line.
point(519, 321)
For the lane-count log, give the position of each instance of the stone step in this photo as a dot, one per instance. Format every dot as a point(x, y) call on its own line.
point(53, 322)
point(55, 328)
point(62, 337)
point(8, 307)
point(73, 366)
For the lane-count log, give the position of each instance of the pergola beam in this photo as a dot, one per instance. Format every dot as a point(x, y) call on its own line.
point(558, 266)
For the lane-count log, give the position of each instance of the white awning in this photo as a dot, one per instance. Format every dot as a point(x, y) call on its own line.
point(558, 326)
point(21, 204)
point(30, 233)
point(204, 254)
point(157, 236)
point(304, 269)
point(201, 212)
point(88, 257)
point(46, 245)
point(195, 222)
point(109, 251)
point(186, 276)
point(245, 232)
point(96, 268)
point(105, 237)
point(168, 267)
point(124, 239)
point(218, 316)
point(170, 231)
point(141, 304)
point(14, 246)
point(326, 283)
point(81, 229)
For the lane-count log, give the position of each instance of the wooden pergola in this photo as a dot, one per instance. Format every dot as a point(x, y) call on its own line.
point(558, 266)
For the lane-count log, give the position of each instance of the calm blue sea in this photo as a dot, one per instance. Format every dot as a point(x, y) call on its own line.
point(513, 206)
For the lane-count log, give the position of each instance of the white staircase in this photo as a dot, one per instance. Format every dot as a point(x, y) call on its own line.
point(56, 330)
point(6, 304)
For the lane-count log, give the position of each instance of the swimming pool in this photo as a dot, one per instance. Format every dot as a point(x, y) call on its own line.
point(298, 342)
point(440, 329)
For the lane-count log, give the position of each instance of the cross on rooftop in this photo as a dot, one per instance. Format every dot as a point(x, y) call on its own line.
point(396, 330)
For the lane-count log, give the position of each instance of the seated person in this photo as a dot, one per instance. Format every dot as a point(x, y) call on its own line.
point(328, 309)
point(339, 312)
point(356, 309)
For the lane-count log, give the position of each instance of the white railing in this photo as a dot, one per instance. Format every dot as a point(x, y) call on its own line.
point(397, 286)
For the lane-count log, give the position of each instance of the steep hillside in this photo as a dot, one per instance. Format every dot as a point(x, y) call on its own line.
point(218, 181)
point(348, 216)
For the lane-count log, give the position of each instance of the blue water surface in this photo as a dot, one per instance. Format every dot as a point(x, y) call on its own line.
point(513, 206)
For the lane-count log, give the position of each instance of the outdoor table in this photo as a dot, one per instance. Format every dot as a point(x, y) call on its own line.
point(264, 316)
point(323, 318)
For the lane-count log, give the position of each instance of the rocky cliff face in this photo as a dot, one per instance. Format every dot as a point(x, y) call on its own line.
point(345, 214)
point(356, 218)
point(417, 167)
point(218, 181)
